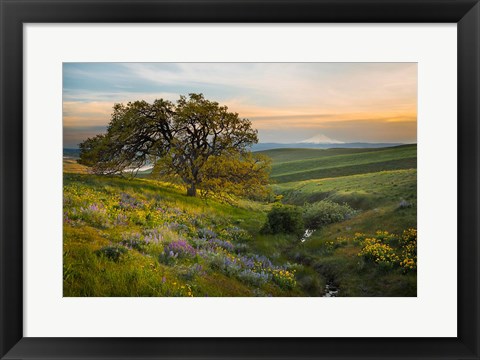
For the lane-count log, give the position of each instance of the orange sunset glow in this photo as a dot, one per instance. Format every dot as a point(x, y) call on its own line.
point(286, 102)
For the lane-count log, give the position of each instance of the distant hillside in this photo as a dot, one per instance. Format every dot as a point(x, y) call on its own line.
point(311, 145)
point(305, 164)
point(75, 153)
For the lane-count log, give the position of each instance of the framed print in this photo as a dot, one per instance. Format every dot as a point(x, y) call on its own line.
point(193, 221)
point(236, 179)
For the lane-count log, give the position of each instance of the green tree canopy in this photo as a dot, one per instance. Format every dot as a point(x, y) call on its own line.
point(195, 140)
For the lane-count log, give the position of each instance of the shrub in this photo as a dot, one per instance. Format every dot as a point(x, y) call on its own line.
point(120, 220)
point(404, 204)
point(226, 245)
point(153, 236)
point(409, 250)
point(177, 249)
point(180, 247)
point(236, 234)
point(253, 278)
point(127, 201)
point(241, 248)
point(390, 250)
point(325, 212)
point(111, 252)
point(377, 251)
point(134, 241)
point(284, 278)
point(386, 237)
point(207, 234)
point(94, 215)
point(168, 257)
point(190, 272)
point(284, 219)
point(224, 262)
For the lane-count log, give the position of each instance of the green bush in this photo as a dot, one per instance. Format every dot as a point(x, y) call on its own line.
point(111, 252)
point(284, 219)
point(325, 212)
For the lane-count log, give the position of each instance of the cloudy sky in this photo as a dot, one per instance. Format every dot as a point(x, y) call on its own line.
point(287, 102)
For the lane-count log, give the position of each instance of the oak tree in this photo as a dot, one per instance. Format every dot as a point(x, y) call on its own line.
point(195, 140)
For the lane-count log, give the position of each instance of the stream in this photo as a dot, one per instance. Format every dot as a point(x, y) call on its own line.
point(307, 234)
point(330, 291)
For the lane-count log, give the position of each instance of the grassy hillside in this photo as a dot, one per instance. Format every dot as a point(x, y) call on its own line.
point(304, 164)
point(385, 200)
point(283, 155)
point(145, 238)
point(71, 166)
point(141, 237)
point(362, 191)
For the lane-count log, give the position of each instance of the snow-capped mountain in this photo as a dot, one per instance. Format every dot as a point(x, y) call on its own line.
point(321, 139)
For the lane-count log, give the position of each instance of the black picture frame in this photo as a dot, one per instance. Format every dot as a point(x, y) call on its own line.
point(14, 13)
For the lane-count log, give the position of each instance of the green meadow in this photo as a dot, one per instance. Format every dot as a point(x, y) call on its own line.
point(305, 164)
point(338, 222)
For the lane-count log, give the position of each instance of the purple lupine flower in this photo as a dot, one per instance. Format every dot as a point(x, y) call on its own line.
point(177, 227)
point(133, 241)
point(263, 260)
point(247, 262)
point(206, 234)
point(181, 247)
point(153, 236)
point(93, 207)
point(128, 201)
point(254, 278)
point(227, 245)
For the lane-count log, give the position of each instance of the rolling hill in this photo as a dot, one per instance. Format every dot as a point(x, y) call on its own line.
point(381, 184)
point(305, 164)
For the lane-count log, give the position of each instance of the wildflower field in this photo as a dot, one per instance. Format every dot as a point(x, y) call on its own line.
point(139, 238)
point(143, 237)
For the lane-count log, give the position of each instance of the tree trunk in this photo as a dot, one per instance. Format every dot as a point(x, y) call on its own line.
point(192, 190)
